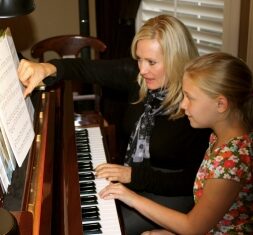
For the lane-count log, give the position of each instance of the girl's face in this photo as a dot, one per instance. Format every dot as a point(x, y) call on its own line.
point(201, 109)
point(150, 62)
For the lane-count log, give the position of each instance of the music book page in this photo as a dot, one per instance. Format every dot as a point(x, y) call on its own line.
point(16, 62)
point(14, 114)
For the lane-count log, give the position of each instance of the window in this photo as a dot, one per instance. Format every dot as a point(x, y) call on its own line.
point(214, 24)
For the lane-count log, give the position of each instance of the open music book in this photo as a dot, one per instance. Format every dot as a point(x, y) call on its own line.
point(16, 112)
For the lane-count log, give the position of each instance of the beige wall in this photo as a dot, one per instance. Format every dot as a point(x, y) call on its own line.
point(50, 18)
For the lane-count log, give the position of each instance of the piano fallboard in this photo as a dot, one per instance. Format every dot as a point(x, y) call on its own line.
point(29, 196)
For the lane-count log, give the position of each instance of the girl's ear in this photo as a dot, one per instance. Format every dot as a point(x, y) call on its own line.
point(222, 104)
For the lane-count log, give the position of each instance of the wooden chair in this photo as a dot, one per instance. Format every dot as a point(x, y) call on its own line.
point(67, 46)
point(71, 46)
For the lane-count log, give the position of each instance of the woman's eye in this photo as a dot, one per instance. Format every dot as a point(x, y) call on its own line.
point(186, 96)
point(151, 62)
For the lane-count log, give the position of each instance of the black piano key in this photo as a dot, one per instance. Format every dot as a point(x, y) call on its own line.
point(82, 144)
point(83, 136)
point(82, 140)
point(80, 134)
point(89, 200)
point(85, 166)
point(90, 209)
point(85, 170)
point(87, 184)
point(86, 176)
point(92, 228)
point(88, 191)
point(82, 130)
point(87, 187)
point(90, 216)
point(83, 149)
point(84, 156)
point(84, 163)
point(90, 213)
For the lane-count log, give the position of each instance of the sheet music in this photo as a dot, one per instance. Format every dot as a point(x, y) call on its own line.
point(5, 142)
point(3, 176)
point(16, 62)
point(14, 113)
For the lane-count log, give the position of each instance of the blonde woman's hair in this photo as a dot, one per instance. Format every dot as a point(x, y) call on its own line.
point(223, 74)
point(177, 47)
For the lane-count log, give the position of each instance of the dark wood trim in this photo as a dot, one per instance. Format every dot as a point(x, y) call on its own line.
point(25, 222)
point(244, 29)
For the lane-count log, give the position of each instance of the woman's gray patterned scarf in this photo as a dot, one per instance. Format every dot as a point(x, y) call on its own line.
point(138, 147)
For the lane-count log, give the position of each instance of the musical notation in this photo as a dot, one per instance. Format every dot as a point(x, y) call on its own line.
point(16, 122)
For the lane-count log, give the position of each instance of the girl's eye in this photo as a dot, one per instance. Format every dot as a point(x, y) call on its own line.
point(189, 97)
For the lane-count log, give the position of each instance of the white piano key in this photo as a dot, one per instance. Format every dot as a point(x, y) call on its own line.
point(109, 220)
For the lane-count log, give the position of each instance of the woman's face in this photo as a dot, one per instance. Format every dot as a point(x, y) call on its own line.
point(150, 62)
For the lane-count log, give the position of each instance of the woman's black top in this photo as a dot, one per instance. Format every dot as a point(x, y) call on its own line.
point(176, 149)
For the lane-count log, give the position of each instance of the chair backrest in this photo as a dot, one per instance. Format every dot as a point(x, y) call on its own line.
point(67, 45)
point(71, 46)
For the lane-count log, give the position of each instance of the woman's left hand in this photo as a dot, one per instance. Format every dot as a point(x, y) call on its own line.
point(114, 172)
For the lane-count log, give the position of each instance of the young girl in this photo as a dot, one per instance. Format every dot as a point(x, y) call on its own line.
point(218, 93)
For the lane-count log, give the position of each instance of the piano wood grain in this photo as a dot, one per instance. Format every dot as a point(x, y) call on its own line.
point(50, 201)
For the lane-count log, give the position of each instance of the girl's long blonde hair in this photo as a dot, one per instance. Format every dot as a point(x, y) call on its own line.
point(220, 73)
point(178, 48)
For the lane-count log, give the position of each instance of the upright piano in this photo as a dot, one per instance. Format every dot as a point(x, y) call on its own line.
point(46, 196)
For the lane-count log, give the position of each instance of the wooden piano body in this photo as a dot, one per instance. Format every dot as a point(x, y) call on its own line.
point(50, 199)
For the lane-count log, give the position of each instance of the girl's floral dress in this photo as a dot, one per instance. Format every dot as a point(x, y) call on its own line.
point(232, 161)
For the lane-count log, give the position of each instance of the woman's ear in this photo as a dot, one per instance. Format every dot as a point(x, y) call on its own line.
point(222, 104)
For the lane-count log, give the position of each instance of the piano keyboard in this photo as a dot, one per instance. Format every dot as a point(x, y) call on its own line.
point(98, 216)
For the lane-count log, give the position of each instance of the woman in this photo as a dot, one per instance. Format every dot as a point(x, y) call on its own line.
point(162, 151)
point(217, 94)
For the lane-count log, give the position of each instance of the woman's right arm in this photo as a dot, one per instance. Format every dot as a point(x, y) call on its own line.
point(116, 74)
